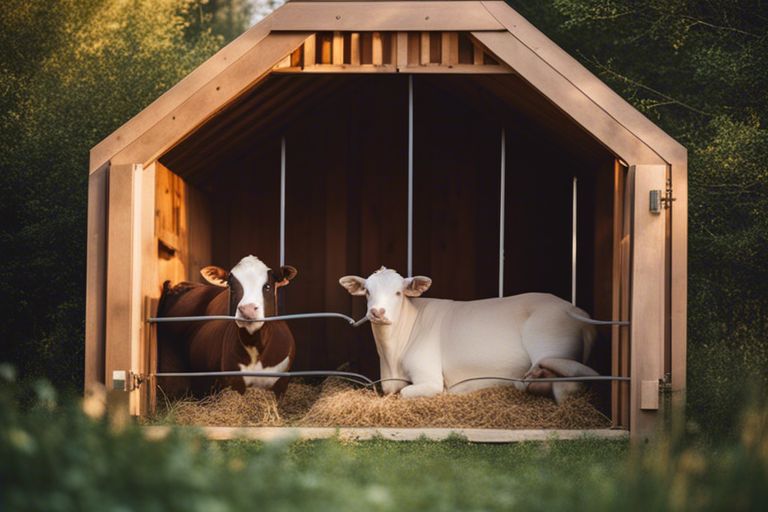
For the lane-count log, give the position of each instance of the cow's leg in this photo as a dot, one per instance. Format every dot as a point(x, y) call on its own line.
point(280, 386)
point(422, 389)
point(556, 367)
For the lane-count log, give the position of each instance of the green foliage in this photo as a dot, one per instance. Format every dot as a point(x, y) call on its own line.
point(700, 71)
point(53, 457)
point(72, 72)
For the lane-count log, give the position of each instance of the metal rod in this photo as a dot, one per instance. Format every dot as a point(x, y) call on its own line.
point(171, 319)
point(502, 200)
point(593, 378)
point(410, 176)
point(282, 202)
point(573, 244)
point(313, 373)
point(597, 322)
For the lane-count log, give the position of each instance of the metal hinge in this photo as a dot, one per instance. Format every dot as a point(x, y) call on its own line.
point(665, 384)
point(661, 199)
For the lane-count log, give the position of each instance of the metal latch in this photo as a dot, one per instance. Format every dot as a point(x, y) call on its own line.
point(126, 380)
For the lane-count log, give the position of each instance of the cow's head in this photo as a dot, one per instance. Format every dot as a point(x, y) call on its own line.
point(252, 289)
point(385, 290)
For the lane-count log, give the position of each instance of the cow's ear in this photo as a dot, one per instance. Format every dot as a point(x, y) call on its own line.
point(217, 276)
point(287, 273)
point(355, 285)
point(415, 286)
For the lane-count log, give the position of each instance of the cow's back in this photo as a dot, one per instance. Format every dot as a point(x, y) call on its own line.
point(487, 337)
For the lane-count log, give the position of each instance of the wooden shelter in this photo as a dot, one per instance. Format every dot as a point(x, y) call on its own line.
point(444, 138)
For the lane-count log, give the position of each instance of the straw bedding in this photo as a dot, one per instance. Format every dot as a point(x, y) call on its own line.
point(339, 404)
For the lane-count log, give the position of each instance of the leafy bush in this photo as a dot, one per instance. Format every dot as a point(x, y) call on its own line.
point(55, 458)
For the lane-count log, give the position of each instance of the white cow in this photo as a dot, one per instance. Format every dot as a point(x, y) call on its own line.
point(436, 344)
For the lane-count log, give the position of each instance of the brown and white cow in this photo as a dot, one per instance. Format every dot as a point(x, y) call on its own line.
point(248, 292)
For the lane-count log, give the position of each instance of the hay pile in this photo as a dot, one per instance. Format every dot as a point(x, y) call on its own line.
point(338, 404)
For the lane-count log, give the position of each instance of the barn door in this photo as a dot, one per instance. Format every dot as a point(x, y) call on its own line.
point(647, 296)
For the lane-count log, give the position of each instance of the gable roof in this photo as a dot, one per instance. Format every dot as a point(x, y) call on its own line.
point(236, 68)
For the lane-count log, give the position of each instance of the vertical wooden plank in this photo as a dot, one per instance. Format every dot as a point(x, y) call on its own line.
point(402, 50)
point(378, 50)
point(309, 51)
point(325, 49)
point(123, 280)
point(445, 54)
point(145, 267)
point(354, 49)
point(96, 276)
point(338, 49)
point(647, 329)
point(414, 45)
point(453, 48)
point(424, 52)
point(199, 232)
point(625, 299)
point(679, 281)
point(478, 54)
point(618, 211)
point(296, 57)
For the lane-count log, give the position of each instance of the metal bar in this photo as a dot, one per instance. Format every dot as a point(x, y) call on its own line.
point(502, 200)
point(594, 378)
point(573, 245)
point(171, 319)
point(282, 202)
point(312, 373)
point(410, 175)
point(597, 322)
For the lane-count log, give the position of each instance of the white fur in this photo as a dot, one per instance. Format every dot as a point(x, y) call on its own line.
point(252, 274)
point(256, 366)
point(436, 343)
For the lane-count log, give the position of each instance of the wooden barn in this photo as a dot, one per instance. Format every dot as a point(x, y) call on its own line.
point(444, 138)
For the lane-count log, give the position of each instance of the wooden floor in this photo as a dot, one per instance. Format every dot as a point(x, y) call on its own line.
point(475, 435)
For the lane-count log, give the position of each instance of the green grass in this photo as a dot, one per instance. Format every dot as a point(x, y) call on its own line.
point(55, 458)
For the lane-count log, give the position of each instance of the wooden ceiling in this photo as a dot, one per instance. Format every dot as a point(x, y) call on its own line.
point(268, 110)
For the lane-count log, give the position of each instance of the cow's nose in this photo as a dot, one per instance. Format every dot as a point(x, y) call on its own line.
point(248, 310)
point(378, 313)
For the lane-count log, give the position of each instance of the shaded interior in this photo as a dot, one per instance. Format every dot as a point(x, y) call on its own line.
point(346, 196)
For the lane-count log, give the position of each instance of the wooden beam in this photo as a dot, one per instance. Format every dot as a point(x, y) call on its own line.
point(679, 281)
point(354, 48)
point(648, 291)
point(573, 101)
point(205, 102)
point(378, 50)
point(178, 94)
point(474, 435)
point(450, 48)
point(581, 79)
point(96, 276)
point(384, 16)
point(477, 59)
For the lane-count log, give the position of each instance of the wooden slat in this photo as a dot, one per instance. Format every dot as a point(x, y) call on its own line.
point(338, 49)
point(309, 51)
point(377, 58)
point(478, 55)
point(424, 49)
point(679, 280)
point(618, 221)
point(474, 435)
point(414, 45)
point(647, 330)
point(450, 49)
point(96, 276)
point(384, 16)
point(354, 49)
point(402, 50)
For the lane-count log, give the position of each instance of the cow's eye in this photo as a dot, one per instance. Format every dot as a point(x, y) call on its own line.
point(267, 287)
point(399, 293)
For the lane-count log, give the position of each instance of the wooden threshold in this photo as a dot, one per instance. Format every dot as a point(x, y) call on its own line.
point(475, 435)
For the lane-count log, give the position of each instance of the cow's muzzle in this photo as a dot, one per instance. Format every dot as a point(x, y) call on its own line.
point(378, 316)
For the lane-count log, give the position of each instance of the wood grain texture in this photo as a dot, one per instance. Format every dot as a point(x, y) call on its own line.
point(96, 276)
point(648, 292)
